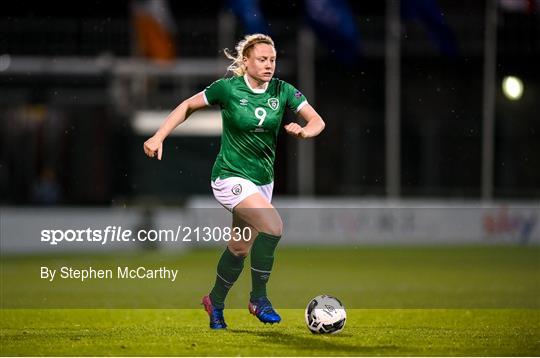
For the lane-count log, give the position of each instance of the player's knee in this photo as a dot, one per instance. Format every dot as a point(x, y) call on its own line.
point(239, 251)
point(274, 228)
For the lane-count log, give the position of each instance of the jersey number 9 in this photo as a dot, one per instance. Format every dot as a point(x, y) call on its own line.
point(260, 113)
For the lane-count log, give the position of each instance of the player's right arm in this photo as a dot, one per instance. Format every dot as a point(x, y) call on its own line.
point(154, 145)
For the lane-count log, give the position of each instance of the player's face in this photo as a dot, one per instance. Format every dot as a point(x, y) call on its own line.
point(261, 62)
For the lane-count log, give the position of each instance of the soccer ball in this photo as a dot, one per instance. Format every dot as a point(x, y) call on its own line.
point(325, 314)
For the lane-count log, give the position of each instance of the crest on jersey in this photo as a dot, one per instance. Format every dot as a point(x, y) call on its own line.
point(273, 103)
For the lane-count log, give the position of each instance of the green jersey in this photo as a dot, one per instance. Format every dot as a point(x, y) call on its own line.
point(251, 120)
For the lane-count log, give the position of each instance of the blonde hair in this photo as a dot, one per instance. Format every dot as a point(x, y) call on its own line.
point(242, 50)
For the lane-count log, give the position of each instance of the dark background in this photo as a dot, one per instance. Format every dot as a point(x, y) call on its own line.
point(66, 140)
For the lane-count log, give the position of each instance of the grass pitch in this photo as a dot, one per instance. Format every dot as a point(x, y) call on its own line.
point(387, 332)
point(400, 301)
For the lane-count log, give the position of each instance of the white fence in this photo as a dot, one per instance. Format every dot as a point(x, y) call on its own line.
point(330, 221)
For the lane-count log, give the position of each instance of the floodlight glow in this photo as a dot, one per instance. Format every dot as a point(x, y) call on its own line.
point(512, 87)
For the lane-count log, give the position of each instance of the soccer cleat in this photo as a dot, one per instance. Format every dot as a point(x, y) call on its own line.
point(216, 315)
point(263, 310)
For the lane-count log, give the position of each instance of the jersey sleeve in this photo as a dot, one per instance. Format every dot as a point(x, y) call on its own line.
point(217, 93)
point(295, 99)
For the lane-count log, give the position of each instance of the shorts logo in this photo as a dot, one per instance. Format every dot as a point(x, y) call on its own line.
point(237, 189)
point(273, 103)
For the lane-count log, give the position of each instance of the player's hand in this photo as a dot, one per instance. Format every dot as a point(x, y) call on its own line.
point(153, 147)
point(296, 130)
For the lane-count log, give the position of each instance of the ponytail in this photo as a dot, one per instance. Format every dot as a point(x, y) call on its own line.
point(242, 50)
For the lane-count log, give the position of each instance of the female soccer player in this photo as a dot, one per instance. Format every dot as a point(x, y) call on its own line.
point(252, 106)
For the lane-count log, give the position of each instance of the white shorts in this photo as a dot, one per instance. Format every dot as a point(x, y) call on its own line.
point(229, 192)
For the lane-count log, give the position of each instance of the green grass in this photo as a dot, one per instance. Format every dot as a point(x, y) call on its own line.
point(362, 277)
point(395, 332)
point(400, 301)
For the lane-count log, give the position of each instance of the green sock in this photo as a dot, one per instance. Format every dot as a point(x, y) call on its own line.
point(228, 269)
point(262, 260)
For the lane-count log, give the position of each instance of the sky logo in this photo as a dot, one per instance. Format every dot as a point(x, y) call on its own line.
point(516, 225)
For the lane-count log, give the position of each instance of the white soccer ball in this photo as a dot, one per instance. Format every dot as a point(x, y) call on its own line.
point(325, 314)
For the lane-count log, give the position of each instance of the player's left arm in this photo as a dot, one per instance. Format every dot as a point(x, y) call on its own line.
point(314, 126)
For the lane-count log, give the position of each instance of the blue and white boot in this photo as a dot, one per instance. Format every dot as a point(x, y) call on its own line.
point(216, 315)
point(263, 310)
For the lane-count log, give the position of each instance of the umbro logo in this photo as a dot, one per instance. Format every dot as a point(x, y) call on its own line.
point(243, 102)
